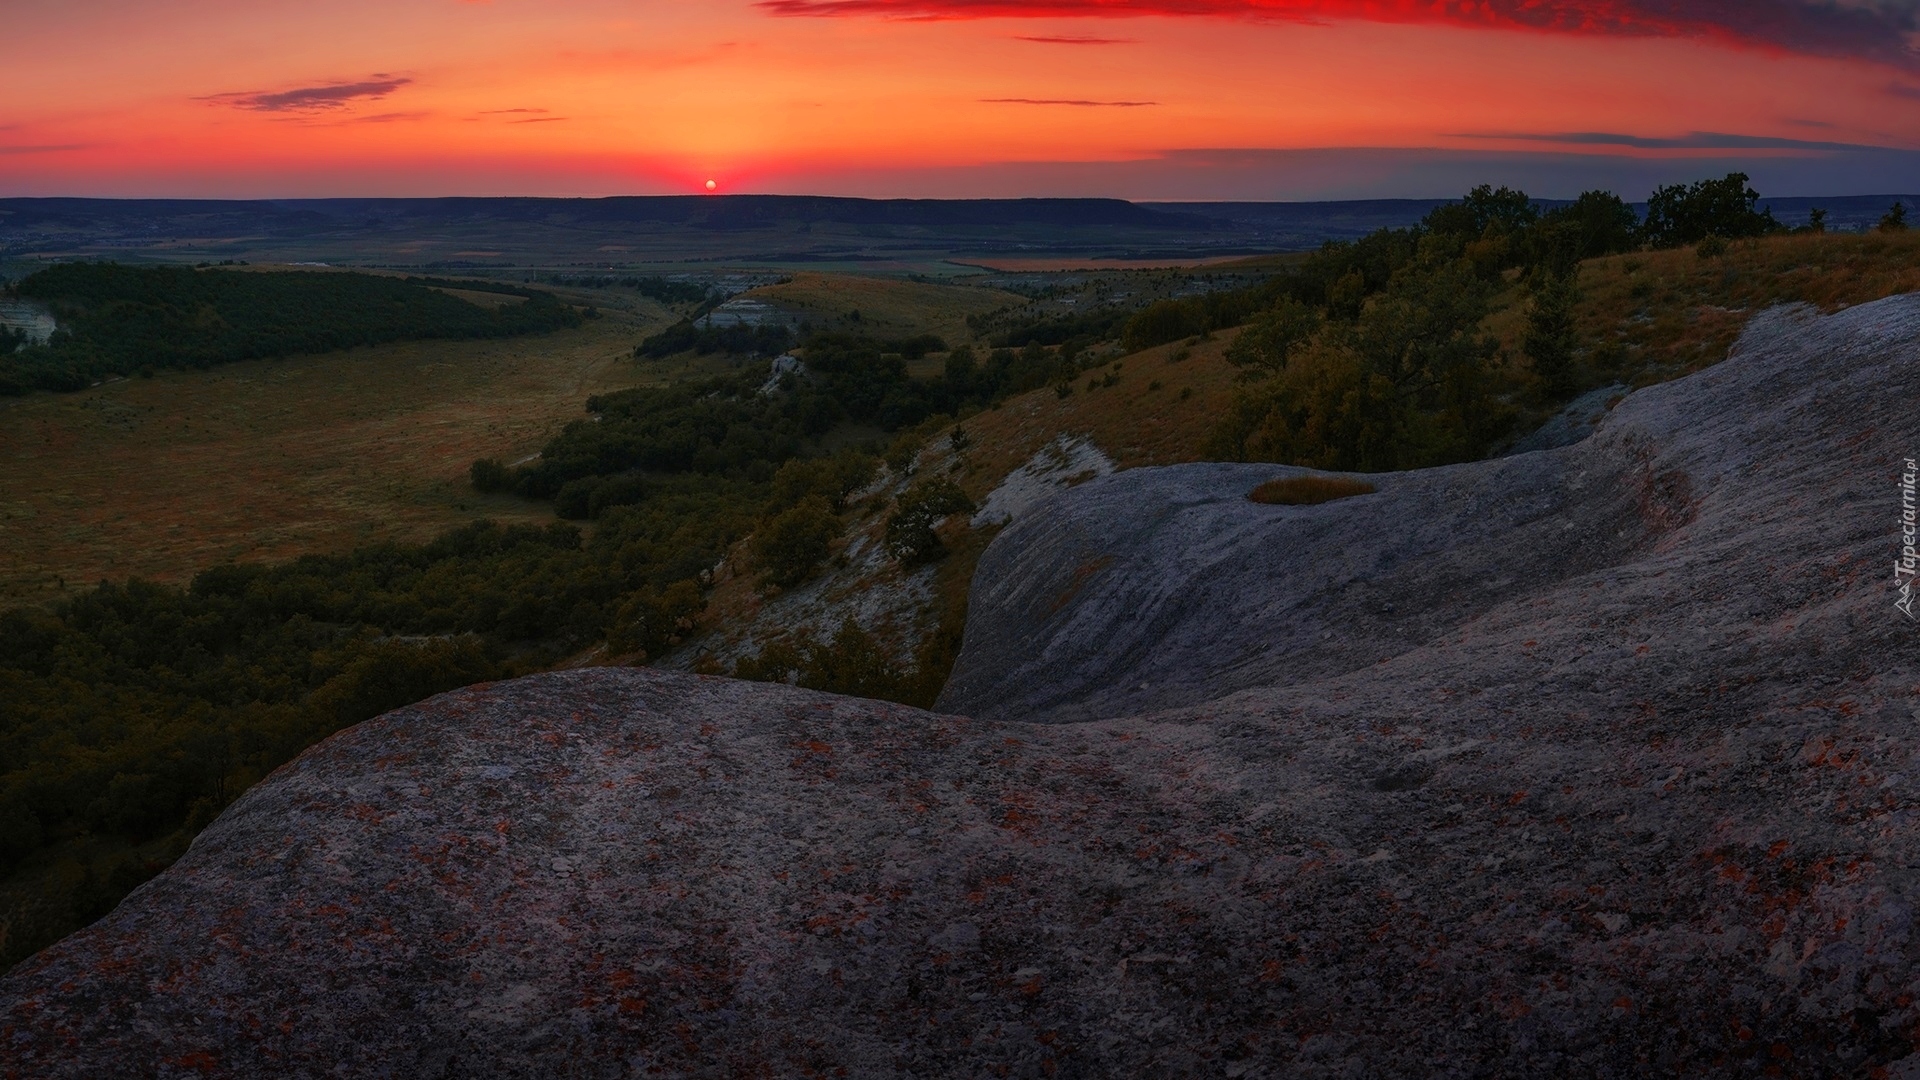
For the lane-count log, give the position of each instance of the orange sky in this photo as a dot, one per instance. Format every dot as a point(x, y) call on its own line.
point(1254, 98)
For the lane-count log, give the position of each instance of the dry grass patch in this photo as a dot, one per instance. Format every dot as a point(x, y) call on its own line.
point(1309, 490)
point(888, 307)
point(1158, 410)
point(1660, 314)
point(161, 478)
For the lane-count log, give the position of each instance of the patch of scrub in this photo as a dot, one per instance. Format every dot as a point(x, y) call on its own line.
point(870, 588)
point(1067, 461)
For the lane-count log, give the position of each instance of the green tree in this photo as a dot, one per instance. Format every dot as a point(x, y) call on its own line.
point(1484, 209)
point(795, 542)
point(1408, 384)
point(1550, 338)
point(1161, 322)
point(910, 536)
point(1895, 219)
point(490, 475)
point(1687, 214)
point(1597, 223)
point(1265, 345)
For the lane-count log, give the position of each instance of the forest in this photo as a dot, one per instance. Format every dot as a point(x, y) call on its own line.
point(126, 320)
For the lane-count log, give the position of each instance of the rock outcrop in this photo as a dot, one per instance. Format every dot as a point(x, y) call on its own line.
point(1594, 762)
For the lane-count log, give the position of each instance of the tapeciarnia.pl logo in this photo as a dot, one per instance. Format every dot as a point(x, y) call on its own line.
point(1905, 565)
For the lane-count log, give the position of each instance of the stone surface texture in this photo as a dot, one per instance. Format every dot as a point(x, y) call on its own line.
point(1594, 762)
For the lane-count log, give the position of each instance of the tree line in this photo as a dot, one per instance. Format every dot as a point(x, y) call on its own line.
point(1373, 357)
point(123, 320)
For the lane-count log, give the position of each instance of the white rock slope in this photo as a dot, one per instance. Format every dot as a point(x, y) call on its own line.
point(1599, 762)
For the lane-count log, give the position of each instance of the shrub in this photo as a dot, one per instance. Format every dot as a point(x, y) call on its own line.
point(853, 663)
point(789, 547)
point(626, 490)
point(1309, 490)
point(904, 451)
point(1895, 219)
point(1161, 322)
point(490, 475)
point(574, 501)
point(651, 620)
point(385, 675)
point(910, 536)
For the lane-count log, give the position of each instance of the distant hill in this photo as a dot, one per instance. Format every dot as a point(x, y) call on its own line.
point(692, 210)
point(712, 230)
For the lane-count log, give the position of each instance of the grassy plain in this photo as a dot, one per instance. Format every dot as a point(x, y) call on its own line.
point(888, 307)
point(162, 477)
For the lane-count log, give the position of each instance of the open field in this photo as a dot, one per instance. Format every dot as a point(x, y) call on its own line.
point(1089, 263)
point(887, 307)
point(269, 459)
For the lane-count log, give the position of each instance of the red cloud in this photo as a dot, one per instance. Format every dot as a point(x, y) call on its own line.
point(1821, 27)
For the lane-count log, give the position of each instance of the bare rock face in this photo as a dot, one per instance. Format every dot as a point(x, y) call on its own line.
point(1623, 783)
point(1165, 588)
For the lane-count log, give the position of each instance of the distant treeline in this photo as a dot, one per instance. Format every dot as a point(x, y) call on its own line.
point(665, 290)
point(121, 320)
point(738, 339)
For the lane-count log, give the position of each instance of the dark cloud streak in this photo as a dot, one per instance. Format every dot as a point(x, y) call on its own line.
point(311, 98)
point(1698, 140)
point(1816, 27)
point(1068, 101)
point(1037, 40)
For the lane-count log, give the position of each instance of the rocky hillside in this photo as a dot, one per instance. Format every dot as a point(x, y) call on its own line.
point(1595, 762)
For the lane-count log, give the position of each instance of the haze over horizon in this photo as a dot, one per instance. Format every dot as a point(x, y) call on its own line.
point(1165, 100)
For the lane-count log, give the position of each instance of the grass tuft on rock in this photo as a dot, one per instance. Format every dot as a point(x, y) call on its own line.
point(1309, 490)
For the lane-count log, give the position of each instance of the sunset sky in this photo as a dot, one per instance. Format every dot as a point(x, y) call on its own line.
point(1176, 99)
